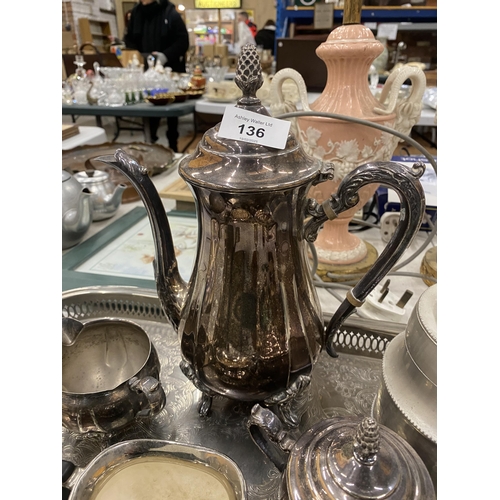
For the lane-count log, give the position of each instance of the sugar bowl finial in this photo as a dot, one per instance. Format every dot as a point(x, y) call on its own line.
point(249, 72)
point(367, 441)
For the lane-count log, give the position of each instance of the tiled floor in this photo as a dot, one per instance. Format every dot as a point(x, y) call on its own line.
point(186, 130)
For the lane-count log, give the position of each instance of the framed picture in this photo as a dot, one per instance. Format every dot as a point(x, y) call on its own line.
point(123, 252)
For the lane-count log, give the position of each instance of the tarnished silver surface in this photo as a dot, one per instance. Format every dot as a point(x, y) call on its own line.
point(110, 375)
point(339, 387)
point(341, 458)
point(102, 467)
point(249, 320)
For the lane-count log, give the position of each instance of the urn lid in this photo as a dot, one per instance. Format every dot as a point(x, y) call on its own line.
point(237, 166)
point(355, 458)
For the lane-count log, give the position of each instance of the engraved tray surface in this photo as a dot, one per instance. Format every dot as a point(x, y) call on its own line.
point(340, 386)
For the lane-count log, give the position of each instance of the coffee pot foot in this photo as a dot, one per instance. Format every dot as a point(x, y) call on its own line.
point(205, 405)
point(291, 403)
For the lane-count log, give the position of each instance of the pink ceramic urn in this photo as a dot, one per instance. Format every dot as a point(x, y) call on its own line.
point(348, 54)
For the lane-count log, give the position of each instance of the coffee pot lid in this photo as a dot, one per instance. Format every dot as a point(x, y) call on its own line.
point(355, 458)
point(230, 165)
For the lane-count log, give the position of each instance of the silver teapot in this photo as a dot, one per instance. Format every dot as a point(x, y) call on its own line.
point(249, 320)
point(106, 195)
point(76, 210)
point(341, 457)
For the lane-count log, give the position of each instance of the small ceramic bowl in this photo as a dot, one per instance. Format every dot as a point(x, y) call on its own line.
point(195, 94)
point(161, 99)
point(179, 96)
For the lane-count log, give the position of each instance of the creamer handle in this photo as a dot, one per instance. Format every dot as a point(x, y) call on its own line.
point(153, 390)
point(267, 433)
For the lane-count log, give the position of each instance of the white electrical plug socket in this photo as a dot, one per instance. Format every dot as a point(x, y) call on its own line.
point(382, 304)
point(388, 224)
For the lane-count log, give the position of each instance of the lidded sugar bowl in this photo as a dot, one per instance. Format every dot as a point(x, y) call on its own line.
point(341, 458)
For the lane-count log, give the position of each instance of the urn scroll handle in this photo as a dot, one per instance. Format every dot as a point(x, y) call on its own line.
point(281, 105)
point(412, 105)
point(406, 184)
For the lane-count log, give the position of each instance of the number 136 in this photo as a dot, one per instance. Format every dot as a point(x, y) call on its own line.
point(250, 130)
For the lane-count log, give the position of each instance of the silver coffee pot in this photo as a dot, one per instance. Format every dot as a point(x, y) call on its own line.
point(249, 320)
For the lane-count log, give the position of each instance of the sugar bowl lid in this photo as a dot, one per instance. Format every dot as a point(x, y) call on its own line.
point(355, 458)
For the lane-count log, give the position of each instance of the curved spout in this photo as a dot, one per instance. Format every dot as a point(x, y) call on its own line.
point(113, 200)
point(169, 283)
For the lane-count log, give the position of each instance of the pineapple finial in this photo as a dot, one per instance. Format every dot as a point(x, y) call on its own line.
point(249, 72)
point(367, 441)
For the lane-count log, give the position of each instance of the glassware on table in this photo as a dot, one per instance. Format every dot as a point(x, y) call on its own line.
point(80, 69)
point(97, 92)
point(183, 82)
point(113, 86)
point(80, 82)
point(216, 73)
point(114, 93)
point(67, 93)
point(152, 78)
point(80, 89)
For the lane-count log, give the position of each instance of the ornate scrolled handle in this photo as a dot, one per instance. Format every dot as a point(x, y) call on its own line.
point(406, 183)
point(267, 432)
point(153, 390)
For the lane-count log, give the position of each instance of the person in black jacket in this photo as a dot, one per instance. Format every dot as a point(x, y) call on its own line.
point(265, 37)
point(155, 27)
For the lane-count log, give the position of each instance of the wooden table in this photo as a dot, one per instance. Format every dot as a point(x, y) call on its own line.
point(141, 110)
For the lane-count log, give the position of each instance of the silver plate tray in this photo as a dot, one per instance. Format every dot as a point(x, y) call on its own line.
point(340, 387)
